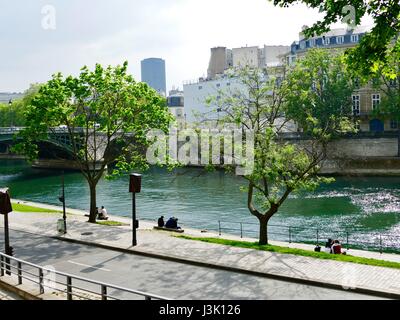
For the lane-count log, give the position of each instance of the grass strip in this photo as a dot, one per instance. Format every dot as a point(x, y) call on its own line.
point(297, 252)
point(111, 223)
point(24, 208)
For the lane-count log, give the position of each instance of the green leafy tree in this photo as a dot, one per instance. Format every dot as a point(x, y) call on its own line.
point(14, 115)
point(374, 49)
point(319, 89)
point(106, 115)
point(266, 105)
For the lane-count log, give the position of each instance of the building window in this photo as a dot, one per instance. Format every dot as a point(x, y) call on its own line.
point(376, 100)
point(356, 105)
point(200, 87)
point(394, 124)
point(326, 41)
point(340, 40)
point(312, 43)
point(228, 84)
point(302, 45)
point(218, 85)
point(354, 38)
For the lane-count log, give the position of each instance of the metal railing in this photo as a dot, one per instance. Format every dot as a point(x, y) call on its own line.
point(350, 238)
point(70, 286)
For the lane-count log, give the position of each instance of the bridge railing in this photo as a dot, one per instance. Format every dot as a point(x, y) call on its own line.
point(11, 130)
point(66, 285)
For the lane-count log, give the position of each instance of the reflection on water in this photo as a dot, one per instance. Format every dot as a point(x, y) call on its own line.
point(200, 199)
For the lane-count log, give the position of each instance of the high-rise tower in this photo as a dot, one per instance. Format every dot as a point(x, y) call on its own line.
point(153, 73)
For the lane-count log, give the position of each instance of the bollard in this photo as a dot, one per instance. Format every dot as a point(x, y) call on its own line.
point(241, 230)
point(290, 234)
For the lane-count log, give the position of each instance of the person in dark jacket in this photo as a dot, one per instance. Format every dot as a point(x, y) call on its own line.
point(171, 223)
point(161, 222)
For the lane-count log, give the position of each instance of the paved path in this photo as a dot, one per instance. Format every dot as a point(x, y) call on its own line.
point(348, 275)
point(155, 275)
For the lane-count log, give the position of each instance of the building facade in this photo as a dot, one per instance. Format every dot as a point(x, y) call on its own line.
point(197, 92)
point(366, 97)
point(154, 74)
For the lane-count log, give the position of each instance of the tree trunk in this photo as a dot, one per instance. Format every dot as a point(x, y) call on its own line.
point(93, 202)
point(263, 231)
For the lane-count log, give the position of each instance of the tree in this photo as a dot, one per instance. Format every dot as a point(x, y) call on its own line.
point(321, 85)
point(374, 48)
point(106, 115)
point(266, 105)
point(14, 115)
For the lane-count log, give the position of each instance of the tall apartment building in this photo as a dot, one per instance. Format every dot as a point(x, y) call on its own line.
point(153, 73)
point(365, 98)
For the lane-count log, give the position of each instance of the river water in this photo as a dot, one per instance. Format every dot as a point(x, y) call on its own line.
point(364, 209)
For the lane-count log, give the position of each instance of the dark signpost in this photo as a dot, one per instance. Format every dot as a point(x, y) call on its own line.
point(5, 209)
point(62, 200)
point(135, 186)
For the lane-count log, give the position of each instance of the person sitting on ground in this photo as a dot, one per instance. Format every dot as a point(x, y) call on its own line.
point(328, 246)
point(161, 222)
point(336, 247)
point(170, 223)
point(103, 214)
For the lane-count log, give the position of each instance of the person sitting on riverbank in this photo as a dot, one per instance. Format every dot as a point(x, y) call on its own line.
point(161, 222)
point(103, 214)
point(172, 223)
point(336, 247)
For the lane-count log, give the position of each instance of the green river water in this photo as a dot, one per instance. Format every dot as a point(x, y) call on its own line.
point(363, 209)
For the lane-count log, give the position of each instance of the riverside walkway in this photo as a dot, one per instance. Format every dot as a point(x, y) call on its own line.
point(327, 273)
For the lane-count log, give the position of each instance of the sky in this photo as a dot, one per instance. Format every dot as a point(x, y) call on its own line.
point(42, 37)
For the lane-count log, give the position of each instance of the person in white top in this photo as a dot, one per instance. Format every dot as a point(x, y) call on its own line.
point(103, 214)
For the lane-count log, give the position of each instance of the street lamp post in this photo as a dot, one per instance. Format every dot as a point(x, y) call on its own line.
point(135, 186)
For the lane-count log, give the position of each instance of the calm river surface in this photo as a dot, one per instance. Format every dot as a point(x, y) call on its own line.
point(367, 207)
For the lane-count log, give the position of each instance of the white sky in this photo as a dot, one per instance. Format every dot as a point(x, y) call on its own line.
point(110, 32)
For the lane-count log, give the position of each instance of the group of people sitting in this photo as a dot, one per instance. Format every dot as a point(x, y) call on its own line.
point(332, 247)
point(102, 213)
point(172, 223)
